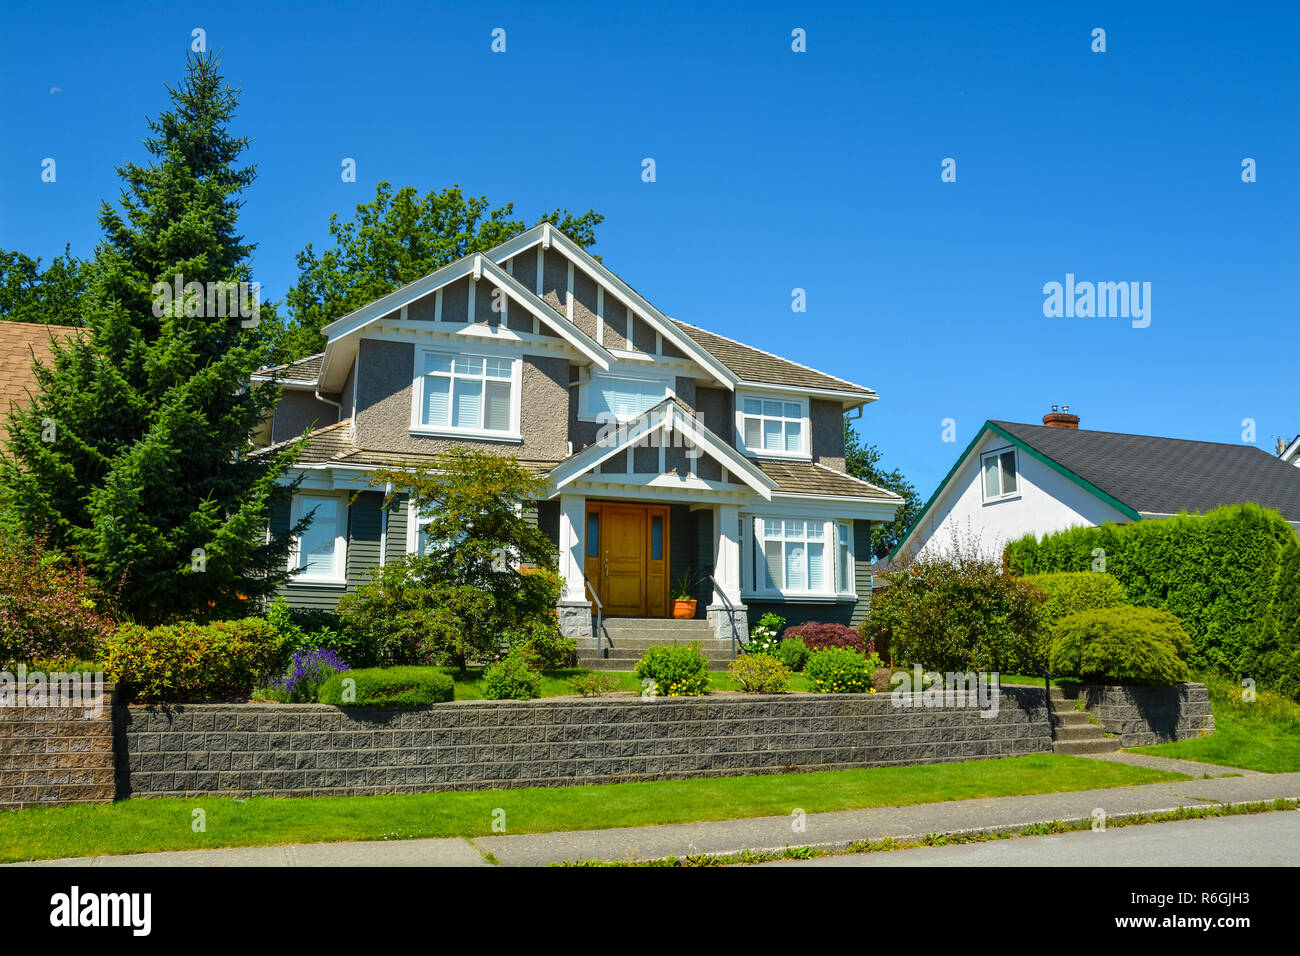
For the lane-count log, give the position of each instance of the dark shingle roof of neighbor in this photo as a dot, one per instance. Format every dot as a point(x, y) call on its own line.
point(755, 365)
point(1168, 475)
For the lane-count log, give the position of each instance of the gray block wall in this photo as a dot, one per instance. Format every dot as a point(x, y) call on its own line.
point(1139, 716)
point(282, 750)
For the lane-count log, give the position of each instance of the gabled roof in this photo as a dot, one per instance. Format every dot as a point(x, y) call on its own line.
point(814, 478)
point(19, 343)
point(1162, 476)
point(668, 414)
point(754, 365)
point(1144, 474)
point(1291, 451)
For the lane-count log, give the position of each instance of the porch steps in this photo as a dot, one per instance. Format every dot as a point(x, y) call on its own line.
point(626, 639)
point(1073, 731)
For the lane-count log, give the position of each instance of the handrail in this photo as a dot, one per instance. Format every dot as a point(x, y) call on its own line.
point(600, 613)
point(731, 610)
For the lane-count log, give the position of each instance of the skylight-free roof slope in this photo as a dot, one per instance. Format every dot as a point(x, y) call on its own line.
point(1168, 475)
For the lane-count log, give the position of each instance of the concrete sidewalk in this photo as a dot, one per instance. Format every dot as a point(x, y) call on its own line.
point(832, 831)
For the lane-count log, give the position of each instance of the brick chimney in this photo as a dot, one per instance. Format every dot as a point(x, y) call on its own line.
point(1061, 418)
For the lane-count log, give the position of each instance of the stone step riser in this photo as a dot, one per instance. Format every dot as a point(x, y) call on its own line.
point(629, 665)
point(1103, 746)
point(1089, 732)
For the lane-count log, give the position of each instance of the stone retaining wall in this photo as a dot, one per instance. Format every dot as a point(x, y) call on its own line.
point(313, 749)
point(1139, 716)
point(52, 755)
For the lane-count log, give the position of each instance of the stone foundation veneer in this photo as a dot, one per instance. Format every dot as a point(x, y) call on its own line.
point(575, 620)
point(729, 623)
point(313, 749)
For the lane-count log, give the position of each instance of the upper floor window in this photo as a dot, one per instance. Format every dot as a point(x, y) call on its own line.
point(620, 397)
point(773, 426)
point(1000, 479)
point(468, 394)
point(320, 551)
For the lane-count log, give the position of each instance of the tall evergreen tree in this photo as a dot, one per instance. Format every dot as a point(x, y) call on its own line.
point(134, 454)
point(398, 238)
point(862, 461)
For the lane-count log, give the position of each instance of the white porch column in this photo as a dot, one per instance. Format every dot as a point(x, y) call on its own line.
point(574, 607)
point(726, 613)
point(573, 517)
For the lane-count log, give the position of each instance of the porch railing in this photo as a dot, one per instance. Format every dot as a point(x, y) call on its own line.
point(731, 612)
point(601, 651)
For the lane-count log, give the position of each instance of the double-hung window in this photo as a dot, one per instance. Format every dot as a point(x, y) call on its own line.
point(773, 426)
point(474, 394)
point(321, 550)
point(998, 475)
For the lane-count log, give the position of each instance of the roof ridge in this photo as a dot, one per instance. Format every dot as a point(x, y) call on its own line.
point(782, 358)
point(272, 368)
point(1099, 431)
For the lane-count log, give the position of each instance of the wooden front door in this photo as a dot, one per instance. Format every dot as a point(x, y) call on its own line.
point(626, 550)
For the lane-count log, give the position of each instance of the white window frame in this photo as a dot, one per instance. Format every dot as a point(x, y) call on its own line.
point(418, 379)
point(753, 576)
point(805, 426)
point(1005, 495)
point(585, 412)
point(413, 520)
point(297, 509)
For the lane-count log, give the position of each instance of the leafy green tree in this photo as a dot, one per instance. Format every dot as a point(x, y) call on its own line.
point(133, 457)
point(399, 237)
point(862, 461)
point(50, 296)
point(487, 574)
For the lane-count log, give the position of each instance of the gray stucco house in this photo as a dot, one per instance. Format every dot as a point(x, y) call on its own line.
point(666, 448)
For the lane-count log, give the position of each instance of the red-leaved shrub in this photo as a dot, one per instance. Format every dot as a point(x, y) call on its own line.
point(817, 636)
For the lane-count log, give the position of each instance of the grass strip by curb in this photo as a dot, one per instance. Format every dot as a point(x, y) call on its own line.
point(1136, 818)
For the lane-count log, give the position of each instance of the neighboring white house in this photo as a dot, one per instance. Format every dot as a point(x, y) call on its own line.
point(1015, 479)
point(1290, 453)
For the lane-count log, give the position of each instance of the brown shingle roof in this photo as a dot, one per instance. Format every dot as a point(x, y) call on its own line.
point(303, 370)
point(19, 341)
point(755, 365)
point(813, 478)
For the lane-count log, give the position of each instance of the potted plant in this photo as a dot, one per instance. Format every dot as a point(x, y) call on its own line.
point(684, 595)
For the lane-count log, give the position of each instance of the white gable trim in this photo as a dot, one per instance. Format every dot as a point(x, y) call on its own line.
point(548, 236)
point(668, 414)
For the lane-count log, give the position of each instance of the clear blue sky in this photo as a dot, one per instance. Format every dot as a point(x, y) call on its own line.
point(776, 170)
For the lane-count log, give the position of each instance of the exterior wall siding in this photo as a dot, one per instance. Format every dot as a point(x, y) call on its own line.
point(298, 410)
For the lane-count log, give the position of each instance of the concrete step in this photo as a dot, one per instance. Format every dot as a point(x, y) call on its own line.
point(662, 629)
point(1103, 746)
point(641, 643)
point(1084, 732)
point(628, 665)
point(1072, 718)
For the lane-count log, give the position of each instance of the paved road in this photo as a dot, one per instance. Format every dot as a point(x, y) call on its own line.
point(1266, 839)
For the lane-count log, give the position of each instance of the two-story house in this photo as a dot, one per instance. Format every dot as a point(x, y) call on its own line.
point(666, 449)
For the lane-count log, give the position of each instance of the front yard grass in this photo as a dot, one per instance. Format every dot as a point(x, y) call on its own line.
point(144, 825)
point(556, 683)
point(1260, 735)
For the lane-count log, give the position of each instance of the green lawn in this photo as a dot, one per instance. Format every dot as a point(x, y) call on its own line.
point(1262, 735)
point(556, 683)
point(137, 826)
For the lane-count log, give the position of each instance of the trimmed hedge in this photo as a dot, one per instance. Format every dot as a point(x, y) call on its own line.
point(1214, 571)
point(188, 662)
point(1121, 644)
point(389, 687)
point(1273, 658)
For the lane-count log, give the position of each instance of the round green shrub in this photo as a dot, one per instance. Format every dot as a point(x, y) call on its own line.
point(841, 670)
point(678, 670)
point(512, 679)
point(388, 687)
point(793, 653)
point(760, 673)
point(1122, 645)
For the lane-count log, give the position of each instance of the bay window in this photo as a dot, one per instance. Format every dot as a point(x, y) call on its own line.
point(792, 557)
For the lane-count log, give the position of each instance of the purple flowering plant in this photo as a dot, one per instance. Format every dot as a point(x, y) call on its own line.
point(308, 670)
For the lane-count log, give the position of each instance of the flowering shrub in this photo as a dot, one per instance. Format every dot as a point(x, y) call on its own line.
point(189, 662)
point(512, 679)
point(678, 670)
point(841, 670)
point(818, 636)
point(765, 636)
point(308, 671)
point(50, 610)
point(760, 673)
